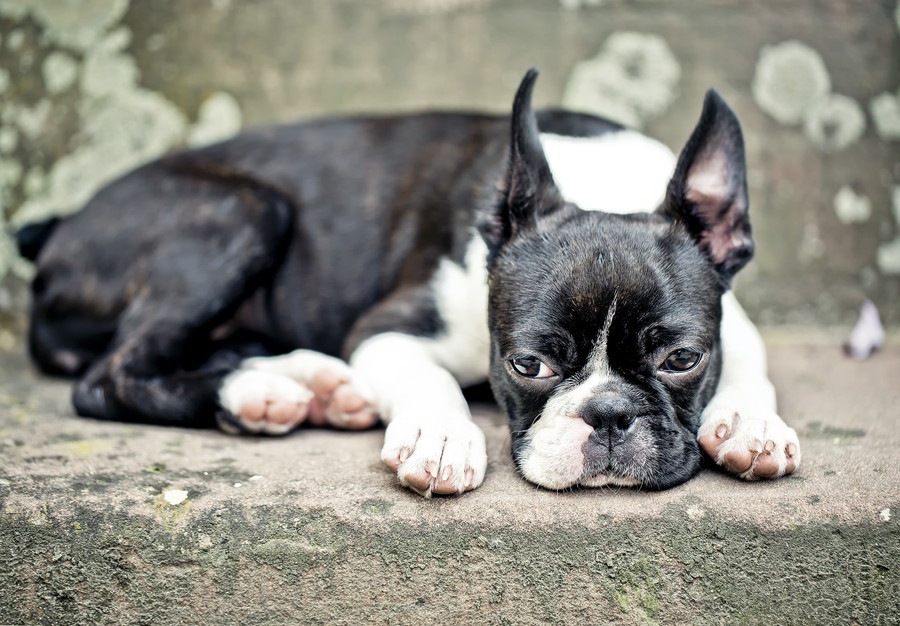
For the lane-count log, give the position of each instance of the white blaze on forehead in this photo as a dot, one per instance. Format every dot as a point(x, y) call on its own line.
point(618, 172)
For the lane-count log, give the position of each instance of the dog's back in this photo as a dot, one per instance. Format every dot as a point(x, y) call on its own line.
point(333, 199)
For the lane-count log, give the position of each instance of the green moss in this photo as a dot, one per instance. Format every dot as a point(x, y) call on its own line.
point(290, 565)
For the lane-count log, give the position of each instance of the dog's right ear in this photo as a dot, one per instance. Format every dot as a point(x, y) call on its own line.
point(529, 192)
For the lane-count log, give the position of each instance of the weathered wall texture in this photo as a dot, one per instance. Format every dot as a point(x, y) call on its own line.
point(91, 88)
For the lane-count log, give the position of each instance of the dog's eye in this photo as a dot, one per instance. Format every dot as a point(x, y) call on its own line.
point(682, 360)
point(531, 367)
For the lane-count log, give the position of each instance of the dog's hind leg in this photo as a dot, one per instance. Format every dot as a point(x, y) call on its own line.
point(163, 365)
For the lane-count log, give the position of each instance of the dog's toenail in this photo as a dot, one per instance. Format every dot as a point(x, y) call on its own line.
point(404, 454)
point(470, 476)
point(756, 446)
point(721, 431)
point(791, 450)
point(446, 473)
point(770, 445)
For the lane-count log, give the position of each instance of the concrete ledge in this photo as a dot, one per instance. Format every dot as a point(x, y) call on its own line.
point(311, 529)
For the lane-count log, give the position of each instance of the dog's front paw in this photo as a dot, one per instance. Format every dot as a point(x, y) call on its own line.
point(340, 399)
point(751, 442)
point(262, 402)
point(435, 457)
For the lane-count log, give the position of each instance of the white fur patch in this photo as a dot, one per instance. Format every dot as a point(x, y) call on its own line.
point(620, 172)
point(300, 365)
point(552, 456)
point(430, 439)
point(406, 378)
point(462, 295)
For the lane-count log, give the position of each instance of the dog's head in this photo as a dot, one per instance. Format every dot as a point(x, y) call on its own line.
point(605, 328)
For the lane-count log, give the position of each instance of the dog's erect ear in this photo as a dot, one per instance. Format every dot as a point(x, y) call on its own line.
point(708, 192)
point(529, 192)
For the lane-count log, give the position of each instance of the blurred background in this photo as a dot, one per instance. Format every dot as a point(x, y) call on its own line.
point(92, 88)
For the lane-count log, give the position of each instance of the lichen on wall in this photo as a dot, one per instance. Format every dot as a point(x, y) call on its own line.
point(790, 78)
point(632, 79)
point(792, 84)
point(851, 207)
point(75, 114)
point(834, 122)
point(90, 88)
point(885, 110)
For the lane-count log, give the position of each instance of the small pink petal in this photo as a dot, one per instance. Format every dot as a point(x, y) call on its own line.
point(867, 335)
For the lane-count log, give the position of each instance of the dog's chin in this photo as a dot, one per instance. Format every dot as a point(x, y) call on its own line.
point(587, 479)
point(592, 480)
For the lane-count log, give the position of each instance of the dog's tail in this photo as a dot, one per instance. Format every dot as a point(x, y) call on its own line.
point(31, 238)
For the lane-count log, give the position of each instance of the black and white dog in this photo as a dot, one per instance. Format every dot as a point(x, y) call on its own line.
point(344, 271)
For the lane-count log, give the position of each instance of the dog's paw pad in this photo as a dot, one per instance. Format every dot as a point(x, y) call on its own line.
point(752, 443)
point(436, 458)
point(262, 402)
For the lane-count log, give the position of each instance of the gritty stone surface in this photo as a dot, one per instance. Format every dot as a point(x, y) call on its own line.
point(311, 528)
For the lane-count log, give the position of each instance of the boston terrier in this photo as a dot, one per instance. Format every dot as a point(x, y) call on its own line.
point(345, 271)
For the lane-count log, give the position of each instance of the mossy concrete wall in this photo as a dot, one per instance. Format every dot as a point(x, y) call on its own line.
point(92, 88)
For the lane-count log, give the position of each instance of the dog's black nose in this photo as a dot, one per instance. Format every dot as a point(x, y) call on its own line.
point(608, 411)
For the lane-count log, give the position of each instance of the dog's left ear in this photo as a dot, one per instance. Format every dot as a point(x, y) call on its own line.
point(529, 192)
point(708, 192)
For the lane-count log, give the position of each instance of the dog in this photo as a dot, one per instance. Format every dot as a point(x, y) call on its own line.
point(344, 271)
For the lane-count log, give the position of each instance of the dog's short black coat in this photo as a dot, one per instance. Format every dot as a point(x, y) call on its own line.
point(311, 235)
point(322, 234)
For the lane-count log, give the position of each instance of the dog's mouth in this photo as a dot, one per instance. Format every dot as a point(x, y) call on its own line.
point(607, 477)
